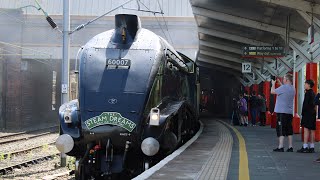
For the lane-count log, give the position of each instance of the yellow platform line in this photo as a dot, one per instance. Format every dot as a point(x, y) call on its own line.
point(243, 155)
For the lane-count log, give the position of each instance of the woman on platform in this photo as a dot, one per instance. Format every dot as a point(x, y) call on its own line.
point(243, 107)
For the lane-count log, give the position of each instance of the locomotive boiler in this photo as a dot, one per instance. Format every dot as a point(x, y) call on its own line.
point(138, 101)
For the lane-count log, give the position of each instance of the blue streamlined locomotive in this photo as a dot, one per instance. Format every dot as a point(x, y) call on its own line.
point(138, 101)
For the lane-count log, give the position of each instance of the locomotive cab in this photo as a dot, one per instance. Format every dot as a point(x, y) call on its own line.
point(136, 103)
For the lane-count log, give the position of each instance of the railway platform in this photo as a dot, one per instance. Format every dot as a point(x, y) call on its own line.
point(232, 152)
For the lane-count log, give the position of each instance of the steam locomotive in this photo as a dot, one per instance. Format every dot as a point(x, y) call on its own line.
point(138, 101)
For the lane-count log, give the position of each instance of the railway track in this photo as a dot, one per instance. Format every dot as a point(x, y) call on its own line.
point(27, 135)
point(59, 175)
point(26, 163)
point(26, 150)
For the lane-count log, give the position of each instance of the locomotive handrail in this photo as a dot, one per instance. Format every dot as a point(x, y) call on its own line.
point(81, 26)
point(76, 70)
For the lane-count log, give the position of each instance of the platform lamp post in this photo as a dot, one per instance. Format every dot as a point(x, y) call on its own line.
point(66, 45)
point(65, 56)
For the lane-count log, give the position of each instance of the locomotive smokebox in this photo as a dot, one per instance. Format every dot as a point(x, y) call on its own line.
point(126, 28)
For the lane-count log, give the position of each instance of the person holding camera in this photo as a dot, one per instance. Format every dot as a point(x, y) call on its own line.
point(309, 117)
point(284, 109)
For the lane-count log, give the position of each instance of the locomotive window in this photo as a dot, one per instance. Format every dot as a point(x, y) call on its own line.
point(171, 84)
point(155, 94)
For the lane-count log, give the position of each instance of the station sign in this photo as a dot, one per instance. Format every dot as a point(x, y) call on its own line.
point(263, 51)
point(246, 68)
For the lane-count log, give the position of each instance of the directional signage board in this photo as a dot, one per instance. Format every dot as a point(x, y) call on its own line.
point(263, 51)
point(246, 68)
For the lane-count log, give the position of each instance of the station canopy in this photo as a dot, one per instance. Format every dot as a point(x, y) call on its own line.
point(226, 27)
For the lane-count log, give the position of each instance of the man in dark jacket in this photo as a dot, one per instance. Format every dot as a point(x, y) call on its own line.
point(253, 108)
point(235, 113)
point(262, 109)
point(308, 121)
point(317, 103)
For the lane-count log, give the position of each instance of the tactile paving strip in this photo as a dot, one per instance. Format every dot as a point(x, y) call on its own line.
point(218, 164)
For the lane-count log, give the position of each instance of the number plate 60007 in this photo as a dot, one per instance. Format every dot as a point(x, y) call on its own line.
point(118, 62)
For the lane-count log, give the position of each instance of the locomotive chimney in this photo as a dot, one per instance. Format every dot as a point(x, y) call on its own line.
point(126, 28)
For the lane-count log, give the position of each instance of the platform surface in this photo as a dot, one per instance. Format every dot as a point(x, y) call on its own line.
point(216, 155)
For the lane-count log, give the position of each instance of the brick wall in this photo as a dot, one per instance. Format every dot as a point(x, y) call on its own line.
point(13, 94)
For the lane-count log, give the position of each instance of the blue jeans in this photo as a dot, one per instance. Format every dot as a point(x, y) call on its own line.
point(253, 116)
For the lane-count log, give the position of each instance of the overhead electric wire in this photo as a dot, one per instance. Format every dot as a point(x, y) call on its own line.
point(38, 60)
point(39, 8)
point(81, 26)
point(165, 22)
point(12, 17)
point(156, 19)
point(16, 46)
point(2, 49)
point(29, 49)
point(162, 28)
point(154, 14)
point(26, 23)
point(29, 24)
point(142, 10)
point(21, 54)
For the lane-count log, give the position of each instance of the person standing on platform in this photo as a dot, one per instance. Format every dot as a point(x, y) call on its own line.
point(309, 117)
point(246, 96)
point(243, 107)
point(253, 108)
point(284, 109)
point(317, 102)
point(262, 109)
point(235, 112)
point(246, 117)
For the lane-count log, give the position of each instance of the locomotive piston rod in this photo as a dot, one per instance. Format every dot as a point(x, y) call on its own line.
point(128, 143)
point(109, 156)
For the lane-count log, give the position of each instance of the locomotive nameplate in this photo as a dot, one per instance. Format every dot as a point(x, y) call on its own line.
point(112, 118)
point(118, 62)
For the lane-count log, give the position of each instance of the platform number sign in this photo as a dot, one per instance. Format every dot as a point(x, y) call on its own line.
point(246, 67)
